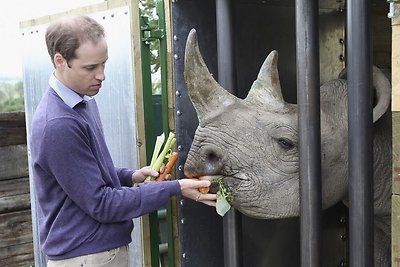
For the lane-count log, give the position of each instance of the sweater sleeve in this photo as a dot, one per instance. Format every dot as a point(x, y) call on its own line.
point(125, 176)
point(68, 156)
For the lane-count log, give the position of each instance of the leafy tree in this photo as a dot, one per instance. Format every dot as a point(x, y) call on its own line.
point(11, 96)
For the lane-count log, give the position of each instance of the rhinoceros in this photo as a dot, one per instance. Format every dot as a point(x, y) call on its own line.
point(253, 144)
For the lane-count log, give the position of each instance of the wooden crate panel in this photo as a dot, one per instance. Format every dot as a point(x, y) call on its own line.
point(14, 162)
point(12, 128)
point(15, 228)
point(17, 256)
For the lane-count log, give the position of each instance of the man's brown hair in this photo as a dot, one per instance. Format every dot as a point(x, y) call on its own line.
point(64, 36)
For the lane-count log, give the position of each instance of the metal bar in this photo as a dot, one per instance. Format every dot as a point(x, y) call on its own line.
point(165, 120)
point(226, 78)
point(149, 131)
point(308, 102)
point(226, 70)
point(360, 133)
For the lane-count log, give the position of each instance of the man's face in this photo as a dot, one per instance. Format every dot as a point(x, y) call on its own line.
point(85, 73)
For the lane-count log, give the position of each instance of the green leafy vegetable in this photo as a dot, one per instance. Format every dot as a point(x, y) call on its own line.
point(224, 197)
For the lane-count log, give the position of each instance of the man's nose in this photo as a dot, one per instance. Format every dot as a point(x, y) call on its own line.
point(100, 74)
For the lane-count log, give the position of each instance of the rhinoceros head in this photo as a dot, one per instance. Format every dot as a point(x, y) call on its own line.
point(253, 142)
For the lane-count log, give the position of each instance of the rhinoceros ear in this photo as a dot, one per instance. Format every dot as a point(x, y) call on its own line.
point(266, 89)
point(205, 93)
point(382, 89)
point(383, 93)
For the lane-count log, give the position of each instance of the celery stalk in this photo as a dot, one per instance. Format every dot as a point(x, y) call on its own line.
point(158, 158)
point(167, 147)
point(159, 142)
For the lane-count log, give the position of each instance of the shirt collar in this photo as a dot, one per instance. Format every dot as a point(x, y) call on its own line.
point(66, 94)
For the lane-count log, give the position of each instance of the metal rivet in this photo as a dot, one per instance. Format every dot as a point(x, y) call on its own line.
point(342, 219)
point(178, 112)
point(176, 57)
point(182, 202)
point(184, 255)
point(176, 38)
point(180, 168)
point(177, 93)
point(343, 237)
point(183, 221)
point(180, 148)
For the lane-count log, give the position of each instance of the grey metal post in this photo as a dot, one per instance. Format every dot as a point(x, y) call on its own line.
point(226, 77)
point(360, 133)
point(308, 102)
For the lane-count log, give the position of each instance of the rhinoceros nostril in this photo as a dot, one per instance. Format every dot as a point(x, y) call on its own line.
point(212, 157)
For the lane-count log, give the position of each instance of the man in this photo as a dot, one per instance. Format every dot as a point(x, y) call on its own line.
point(85, 204)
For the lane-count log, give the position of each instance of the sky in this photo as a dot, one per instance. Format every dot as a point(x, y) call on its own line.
point(11, 13)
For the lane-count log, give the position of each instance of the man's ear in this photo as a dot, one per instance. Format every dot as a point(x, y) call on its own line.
point(59, 61)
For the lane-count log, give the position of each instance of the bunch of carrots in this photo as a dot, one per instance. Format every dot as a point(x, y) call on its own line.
point(224, 196)
point(158, 159)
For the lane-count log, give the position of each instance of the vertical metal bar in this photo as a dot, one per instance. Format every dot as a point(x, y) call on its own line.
point(165, 120)
point(308, 102)
point(149, 132)
point(226, 74)
point(360, 133)
point(226, 70)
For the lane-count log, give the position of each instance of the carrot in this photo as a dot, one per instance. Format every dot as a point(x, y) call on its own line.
point(203, 190)
point(170, 164)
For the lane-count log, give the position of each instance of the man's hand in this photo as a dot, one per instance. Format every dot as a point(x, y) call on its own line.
point(190, 189)
point(140, 175)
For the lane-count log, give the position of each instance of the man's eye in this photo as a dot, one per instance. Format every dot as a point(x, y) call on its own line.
point(90, 67)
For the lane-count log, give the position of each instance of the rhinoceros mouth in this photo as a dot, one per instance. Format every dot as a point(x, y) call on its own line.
point(228, 180)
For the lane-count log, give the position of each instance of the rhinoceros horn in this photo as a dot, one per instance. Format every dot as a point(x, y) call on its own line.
point(266, 89)
point(208, 97)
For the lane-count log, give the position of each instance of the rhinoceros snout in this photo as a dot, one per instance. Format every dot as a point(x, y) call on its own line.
point(204, 161)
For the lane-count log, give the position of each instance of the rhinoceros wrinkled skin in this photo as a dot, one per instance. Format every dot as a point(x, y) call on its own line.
point(253, 143)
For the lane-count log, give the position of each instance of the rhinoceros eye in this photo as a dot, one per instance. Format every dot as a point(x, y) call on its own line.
point(285, 143)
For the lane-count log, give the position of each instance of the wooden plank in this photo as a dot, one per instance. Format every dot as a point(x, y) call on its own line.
point(14, 119)
point(14, 187)
point(15, 228)
point(15, 203)
point(395, 139)
point(20, 255)
point(396, 230)
point(13, 162)
point(12, 128)
point(14, 195)
point(396, 152)
point(396, 62)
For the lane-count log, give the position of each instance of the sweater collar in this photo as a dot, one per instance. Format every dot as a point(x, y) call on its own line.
point(69, 97)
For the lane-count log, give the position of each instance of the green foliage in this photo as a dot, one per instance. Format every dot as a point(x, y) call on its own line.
point(11, 96)
point(148, 8)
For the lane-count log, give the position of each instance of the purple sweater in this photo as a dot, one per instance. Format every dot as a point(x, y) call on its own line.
point(85, 204)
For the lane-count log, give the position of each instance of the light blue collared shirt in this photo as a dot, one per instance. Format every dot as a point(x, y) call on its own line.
point(69, 97)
